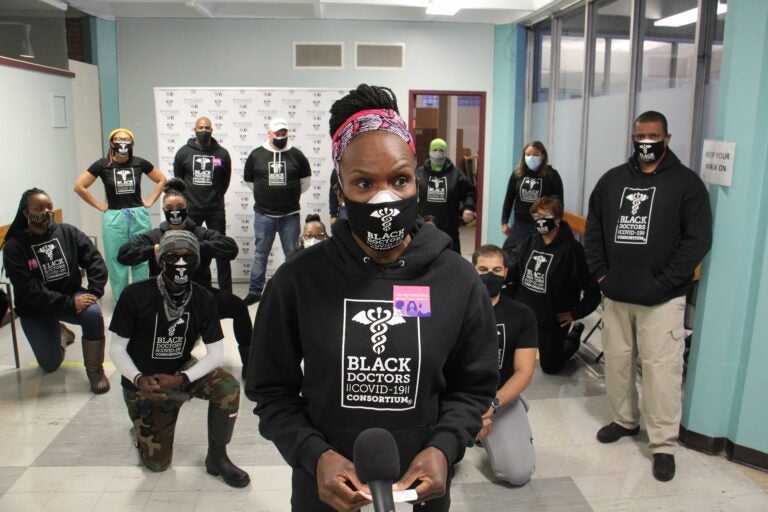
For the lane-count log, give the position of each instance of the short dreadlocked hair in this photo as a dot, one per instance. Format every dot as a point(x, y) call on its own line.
point(363, 98)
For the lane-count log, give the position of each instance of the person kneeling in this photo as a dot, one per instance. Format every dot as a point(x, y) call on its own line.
point(506, 433)
point(155, 326)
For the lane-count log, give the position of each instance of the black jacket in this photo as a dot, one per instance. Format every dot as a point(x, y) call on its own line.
point(212, 245)
point(523, 191)
point(206, 172)
point(550, 278)
point(646, 233)
point(45, 270)
point(445, 195)
point(427, 380)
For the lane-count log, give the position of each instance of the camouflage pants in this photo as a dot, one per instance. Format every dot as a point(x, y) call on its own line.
point(155, 421)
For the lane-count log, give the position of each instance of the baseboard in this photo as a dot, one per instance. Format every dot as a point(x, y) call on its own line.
point(721, 445)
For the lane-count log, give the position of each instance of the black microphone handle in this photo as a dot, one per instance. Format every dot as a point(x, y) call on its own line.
point(381, 492)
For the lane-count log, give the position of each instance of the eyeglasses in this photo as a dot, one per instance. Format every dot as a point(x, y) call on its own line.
point(318, 236)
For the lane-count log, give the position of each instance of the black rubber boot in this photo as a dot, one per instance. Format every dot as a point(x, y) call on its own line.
point(93, 360)
point(245, 351)
point(221, 424)
point(572, 341)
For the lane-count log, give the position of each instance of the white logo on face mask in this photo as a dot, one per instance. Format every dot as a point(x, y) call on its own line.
point(378, 320)
point(386, 215)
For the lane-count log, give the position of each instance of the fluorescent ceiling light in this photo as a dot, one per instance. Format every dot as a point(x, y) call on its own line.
point(686, 17)
point(59, 4)
point(443, 7)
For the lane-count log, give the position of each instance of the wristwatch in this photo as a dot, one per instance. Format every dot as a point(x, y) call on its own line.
point(495, 404)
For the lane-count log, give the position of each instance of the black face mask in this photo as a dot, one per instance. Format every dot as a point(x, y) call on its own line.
point(176, 217)
point(545, 225)
point(382, 226)
point(203, 137)
point(280, 142)
point(122, 148)
point(493, 283)
point(178, 273)
point(44, 219)
point(649, 151)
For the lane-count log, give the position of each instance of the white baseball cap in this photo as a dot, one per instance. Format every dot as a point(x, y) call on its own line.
point(277, 124)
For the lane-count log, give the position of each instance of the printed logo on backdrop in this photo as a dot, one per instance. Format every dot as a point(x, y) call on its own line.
point(202, 170)
point(635, 215)
point(51, 260)
point(536, 271)
point(530, 189)
point(437, 189)
point(381, 357)
point(277, 176)
point(170, 337)
point(125, 182)
point(501, 332)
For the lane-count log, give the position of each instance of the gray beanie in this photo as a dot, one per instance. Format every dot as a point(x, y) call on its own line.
point(178, 239)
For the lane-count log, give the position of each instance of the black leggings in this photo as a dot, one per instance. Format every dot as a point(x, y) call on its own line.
point(232, 306)
point(552, 355)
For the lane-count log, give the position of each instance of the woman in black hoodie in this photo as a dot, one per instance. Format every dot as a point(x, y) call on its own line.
point(426, 377)
point(43, 260)
point(549, 277)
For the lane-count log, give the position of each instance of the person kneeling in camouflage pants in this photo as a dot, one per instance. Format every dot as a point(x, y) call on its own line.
point(154, 328)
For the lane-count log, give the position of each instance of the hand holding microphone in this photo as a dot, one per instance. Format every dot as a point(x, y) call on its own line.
point(377, 463)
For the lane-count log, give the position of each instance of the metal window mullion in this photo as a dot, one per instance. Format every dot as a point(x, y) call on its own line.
point(586, 87)
point(703, 46)
point(554, 78)
point(635, 65)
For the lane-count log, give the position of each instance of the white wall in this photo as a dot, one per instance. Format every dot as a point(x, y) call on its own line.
point(35, 153)
point(258, 53)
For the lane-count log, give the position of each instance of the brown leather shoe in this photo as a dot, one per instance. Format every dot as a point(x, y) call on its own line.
point(93, 359)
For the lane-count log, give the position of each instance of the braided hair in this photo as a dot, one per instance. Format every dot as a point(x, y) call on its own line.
point(20, 221)
point(363, 98)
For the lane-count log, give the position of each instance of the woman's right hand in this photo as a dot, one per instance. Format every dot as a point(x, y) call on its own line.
point(103, 207)
point(505, 229)
point(84, 300)
point(334, 474)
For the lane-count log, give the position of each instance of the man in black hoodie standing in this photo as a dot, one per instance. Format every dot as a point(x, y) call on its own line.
point(649, 225)
point(206, 169)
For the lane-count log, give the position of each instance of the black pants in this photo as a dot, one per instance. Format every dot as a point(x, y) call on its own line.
point(552, 352)
point(304, 496)
point(216, 221)
point(232, 306)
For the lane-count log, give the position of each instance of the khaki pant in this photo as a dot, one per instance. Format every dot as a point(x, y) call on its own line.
point(656, 334)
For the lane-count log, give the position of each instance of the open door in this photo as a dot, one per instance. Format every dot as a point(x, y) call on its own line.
point(458, 117)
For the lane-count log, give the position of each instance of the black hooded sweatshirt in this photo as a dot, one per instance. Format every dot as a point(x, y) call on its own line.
point(522, 192)
point(550, 278)
point(45, 270)
point(212, 245)
point(427, 379)
point(443, 193)
point(646, 233)
point(206, 172)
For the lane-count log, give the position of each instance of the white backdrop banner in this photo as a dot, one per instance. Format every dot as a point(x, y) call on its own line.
point(240, 117)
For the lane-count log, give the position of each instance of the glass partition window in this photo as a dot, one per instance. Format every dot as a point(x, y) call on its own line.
point(542, 51)
point(611, 49)
point(572, 46)
point(668, 31)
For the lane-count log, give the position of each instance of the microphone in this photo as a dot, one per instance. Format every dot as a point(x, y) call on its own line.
point(377, 463)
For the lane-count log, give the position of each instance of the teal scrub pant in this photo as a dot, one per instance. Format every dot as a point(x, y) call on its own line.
point(118, 227)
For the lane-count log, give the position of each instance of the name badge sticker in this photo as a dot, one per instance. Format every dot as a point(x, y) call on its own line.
point(411, 301)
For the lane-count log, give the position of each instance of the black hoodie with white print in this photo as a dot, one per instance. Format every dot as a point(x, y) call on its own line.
point(426, 378)
point(277, 177)
point(206, 172)
point(646, 233)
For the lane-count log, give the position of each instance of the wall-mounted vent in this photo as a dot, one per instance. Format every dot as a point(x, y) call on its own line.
point(380, 55)
point(322, 55)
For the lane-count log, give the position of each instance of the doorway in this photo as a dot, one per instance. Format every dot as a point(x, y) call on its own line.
point(458, 117)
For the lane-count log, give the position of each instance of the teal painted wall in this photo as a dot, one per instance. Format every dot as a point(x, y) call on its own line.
point(507, 126)
point(727, 382)
point(104, 55)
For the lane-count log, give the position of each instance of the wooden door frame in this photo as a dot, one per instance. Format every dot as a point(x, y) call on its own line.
point(412, 93)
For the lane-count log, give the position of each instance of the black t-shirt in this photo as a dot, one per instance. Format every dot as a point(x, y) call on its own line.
point(276, 178)
point(122, 182)
point(517, 328)
point(155, 344)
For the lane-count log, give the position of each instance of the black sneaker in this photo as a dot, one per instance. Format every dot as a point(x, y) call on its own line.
point(251, 298)
point(613, 432)
point(663, 467)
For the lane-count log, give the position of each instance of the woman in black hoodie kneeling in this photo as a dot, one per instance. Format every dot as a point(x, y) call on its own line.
point(426, 374)
point(552, 278)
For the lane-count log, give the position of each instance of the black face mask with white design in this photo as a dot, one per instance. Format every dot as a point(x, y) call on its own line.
point(176, 217)
point(545, 225)
point(43, 219)
point(383, 222)
point(178, 273)
point(493, 283)
point(648, 151)
point(122, 148)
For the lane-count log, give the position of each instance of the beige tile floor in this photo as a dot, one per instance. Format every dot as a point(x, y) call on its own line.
point(62, 449)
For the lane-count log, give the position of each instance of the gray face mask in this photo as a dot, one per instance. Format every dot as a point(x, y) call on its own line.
point(437, 157)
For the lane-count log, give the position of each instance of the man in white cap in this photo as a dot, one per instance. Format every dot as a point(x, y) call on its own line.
point(278, 174)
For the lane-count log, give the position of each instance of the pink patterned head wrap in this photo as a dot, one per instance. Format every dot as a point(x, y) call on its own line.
point(367, 121)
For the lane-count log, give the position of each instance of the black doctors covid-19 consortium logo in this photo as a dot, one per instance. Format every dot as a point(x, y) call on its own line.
point(381, 357)
point(635, 215)
point(386, 239)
